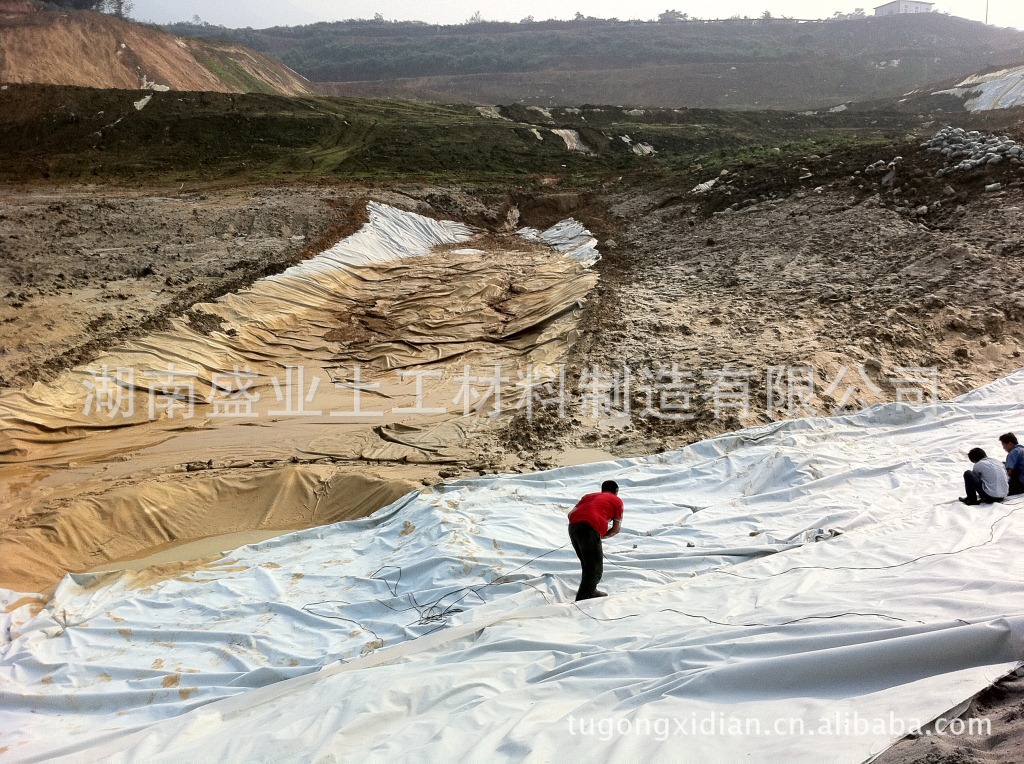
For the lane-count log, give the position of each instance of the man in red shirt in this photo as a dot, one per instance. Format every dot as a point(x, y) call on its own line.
point(588, 524)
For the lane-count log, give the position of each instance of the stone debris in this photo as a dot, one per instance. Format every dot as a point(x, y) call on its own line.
point(970, 150)
point(881, 166)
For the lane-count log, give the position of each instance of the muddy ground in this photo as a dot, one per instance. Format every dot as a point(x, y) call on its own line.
point(832, 293)
point(85, 268)
point(774, 299)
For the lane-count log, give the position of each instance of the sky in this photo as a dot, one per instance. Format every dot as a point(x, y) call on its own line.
point(261, 14)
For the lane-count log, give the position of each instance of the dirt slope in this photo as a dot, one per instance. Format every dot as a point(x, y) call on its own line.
point(99, 51)
point(132, 260)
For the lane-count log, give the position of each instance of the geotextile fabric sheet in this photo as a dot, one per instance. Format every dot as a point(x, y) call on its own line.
point(305, 316)
point(357, 357)
point(1003, 89)
point(806, 591)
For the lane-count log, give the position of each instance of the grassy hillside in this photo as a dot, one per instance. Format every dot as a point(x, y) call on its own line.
point(732, 64)
point(59, 133)
point(787, 85)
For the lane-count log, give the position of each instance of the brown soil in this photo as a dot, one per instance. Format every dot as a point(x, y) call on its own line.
point(99, 51)
point(16, 7)
point(84, 268)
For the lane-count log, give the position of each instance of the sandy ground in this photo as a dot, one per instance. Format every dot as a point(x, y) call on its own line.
point(997, 734)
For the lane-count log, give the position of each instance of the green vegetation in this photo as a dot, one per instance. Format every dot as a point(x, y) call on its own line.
point(380, 50)
point(227, 68)
point(79, 134)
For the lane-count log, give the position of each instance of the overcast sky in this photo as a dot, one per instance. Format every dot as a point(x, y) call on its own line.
point(243, 13)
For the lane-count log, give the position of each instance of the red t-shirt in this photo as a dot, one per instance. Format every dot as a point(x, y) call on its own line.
point(597, 509)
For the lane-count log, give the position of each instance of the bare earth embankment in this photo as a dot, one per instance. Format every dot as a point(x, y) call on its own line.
point(100, 51)
point(84, 268)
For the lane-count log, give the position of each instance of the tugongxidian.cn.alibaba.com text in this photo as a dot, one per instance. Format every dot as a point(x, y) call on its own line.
point(839, 724)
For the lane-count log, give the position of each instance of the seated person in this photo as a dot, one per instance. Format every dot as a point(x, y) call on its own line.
point(1014, 462)
point(986, 482)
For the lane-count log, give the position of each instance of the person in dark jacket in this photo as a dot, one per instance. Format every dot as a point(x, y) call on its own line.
point(596, 516)
point(1014, 462)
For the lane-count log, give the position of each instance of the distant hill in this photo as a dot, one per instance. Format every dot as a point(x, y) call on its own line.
point(736, 63)
point(100, 51)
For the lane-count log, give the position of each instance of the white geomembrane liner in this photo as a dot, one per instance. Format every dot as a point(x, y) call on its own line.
point(572, 139)
point(442, 627)
point(996, 90)
point(568, 237)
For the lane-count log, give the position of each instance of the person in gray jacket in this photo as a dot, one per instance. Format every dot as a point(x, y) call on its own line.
point(986, 482)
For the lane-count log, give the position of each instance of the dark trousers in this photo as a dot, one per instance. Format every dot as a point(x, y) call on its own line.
point(587, 543)
point(1016, 486)
point(974, 490)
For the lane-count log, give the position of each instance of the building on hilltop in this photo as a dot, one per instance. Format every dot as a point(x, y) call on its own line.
point(903, 6)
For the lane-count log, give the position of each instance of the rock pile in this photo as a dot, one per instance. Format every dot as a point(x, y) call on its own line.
point(969, 150)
